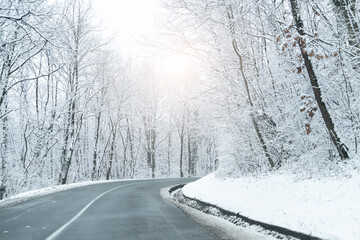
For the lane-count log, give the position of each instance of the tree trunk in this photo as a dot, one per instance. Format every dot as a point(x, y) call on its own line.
point(341, 148)
point(112, 149)
point(190, 157)
point(70, 136)
point(169, 155)
point(153, 146)
point(125, 145)
point(181, 151)
point(4, 140)
point(98, 118)
point(64, 151)
point(131, 146)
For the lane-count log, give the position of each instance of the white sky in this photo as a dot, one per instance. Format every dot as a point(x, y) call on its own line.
point(127, 19)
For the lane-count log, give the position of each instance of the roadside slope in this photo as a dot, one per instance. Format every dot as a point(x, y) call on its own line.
point(328, 208)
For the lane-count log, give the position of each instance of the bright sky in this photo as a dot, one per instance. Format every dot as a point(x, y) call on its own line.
point(128, 19)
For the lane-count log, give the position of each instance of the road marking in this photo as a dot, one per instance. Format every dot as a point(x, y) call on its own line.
point(57, 232)
point(29, 211)
point(14, 217)
point(177, 231)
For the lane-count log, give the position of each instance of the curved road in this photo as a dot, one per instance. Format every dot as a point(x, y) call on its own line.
point(114, 210)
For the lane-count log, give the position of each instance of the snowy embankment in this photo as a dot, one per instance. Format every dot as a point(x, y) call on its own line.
point(328, 208)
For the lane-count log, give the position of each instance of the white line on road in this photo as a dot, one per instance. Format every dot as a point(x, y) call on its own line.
point(172, 225)
point(57, 232)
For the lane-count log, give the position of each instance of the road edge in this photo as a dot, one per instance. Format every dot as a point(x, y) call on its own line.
point(8, 202)
point(240, 220)
point(217, 226)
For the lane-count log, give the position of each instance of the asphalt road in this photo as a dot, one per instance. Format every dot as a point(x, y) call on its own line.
point(115, 210)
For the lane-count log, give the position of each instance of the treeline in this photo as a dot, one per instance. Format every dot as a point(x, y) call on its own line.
point(72, 109)
point(285, 75)
point(273, 86)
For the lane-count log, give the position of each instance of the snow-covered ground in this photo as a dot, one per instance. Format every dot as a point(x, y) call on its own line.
point(224, 230)
point(328, 208)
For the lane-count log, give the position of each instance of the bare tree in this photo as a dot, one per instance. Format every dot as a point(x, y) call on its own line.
point(80, 45)
point(341, 148)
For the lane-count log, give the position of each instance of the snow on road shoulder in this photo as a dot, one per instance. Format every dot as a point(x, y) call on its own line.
point(328, 208)
point(221, 228)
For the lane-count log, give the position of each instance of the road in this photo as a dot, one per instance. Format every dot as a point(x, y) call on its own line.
point(114, 210)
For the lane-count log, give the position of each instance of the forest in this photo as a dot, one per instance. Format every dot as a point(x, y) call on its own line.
point(272, 85)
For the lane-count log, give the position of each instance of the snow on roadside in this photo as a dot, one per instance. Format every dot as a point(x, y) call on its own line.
point(328, 208)
point(222, 228)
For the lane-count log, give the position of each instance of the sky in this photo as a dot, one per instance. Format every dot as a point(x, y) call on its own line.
point(128, 20)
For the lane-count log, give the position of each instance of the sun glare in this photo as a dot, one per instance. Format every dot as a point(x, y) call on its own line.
point(128, 20)
point(176, 73)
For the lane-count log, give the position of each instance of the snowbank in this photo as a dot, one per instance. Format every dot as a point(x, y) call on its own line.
point(327, 208)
